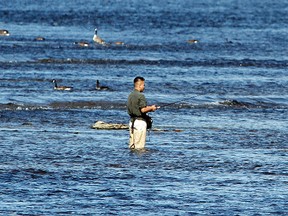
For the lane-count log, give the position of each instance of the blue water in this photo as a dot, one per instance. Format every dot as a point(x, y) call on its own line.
point(222, 146)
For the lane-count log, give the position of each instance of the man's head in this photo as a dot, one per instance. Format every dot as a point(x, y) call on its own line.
point(139, 83)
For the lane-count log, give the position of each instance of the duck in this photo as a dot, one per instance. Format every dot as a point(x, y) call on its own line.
point(97, 39)
point(119, 43)
point(98, 87)
point(82, 43)
point(4, 32)
point(192, 41)
point(63, 88)
point(39, 39)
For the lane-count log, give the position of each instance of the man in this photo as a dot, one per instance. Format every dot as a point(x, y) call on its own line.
point(138, 109)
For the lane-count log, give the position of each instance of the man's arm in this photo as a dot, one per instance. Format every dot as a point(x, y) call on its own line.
point(151, 108)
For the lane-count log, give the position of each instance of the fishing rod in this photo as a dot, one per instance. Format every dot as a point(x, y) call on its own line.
point(169, 104)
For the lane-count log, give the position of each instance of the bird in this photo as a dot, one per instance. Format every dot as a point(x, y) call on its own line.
point(119, 43)
point(4, 32)
point(97, 39)
point(39, 39)
point(63, 88)
point(192, 41)
point(82, 43)
point(98, 87)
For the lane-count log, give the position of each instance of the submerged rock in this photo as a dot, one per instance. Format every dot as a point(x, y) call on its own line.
point(109, 126)
point(100, 125)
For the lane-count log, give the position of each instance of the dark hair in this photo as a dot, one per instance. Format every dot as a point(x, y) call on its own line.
point(138, 78)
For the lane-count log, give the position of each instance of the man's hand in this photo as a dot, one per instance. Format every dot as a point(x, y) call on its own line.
point(151, 108)
point(154, 107)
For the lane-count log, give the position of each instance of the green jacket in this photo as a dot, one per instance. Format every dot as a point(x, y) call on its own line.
point(136, 101)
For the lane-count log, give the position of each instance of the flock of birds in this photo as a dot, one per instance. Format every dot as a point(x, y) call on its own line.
point(98, 40)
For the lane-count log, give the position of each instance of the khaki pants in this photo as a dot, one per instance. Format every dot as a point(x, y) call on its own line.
point(138, 136)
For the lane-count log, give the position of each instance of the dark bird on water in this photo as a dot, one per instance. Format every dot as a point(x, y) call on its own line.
point(99, 87)
point(39, 39)
point(4, 32)
point(62, 88)
point(192, 41)
point(82, 43)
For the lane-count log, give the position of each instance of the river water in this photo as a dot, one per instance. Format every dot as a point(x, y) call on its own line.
point(222, 148)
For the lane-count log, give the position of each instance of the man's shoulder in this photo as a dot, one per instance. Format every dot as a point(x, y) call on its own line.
point(136, 93)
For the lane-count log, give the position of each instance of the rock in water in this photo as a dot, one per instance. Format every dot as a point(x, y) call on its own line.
point(109, 126)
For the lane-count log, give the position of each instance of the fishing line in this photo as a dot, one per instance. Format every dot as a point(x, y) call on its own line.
point(189, 98)
point(183, 100)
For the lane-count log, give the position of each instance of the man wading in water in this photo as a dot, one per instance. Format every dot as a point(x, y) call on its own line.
point(138, 109)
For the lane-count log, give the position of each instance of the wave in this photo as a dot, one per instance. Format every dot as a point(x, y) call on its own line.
point(161, 62)
point(64, 105)
point(186, 62)
point(105, 105)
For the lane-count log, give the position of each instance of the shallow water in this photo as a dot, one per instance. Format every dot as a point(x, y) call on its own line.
point(222, 148)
